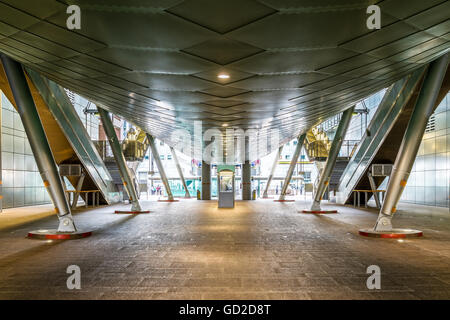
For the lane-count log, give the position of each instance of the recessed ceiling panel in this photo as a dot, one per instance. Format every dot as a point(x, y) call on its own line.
point(221, 16)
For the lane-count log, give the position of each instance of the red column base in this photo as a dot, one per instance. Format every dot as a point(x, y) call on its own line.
point(53, 234)
point(131, 212)
point(284, 200)
point(392, 234)
point(319, 211)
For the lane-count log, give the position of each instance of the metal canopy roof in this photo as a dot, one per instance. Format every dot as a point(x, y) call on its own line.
point(292, 63)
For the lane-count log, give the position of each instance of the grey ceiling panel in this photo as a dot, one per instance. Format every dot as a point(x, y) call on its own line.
point(377, 38)
point(330, 29)
point(279, 81)
point(221, 16)
point(224, 91)
point(291, 63)
point(134, 28)
point(7, 30)
point(212, 75)
point(41, 8)
point(100, 65)
point(430, 17)
point(404, 8)
point(44, 45)
point(154, 60)
point(166, 81)
point(222, 50)
point(64, 37)
point(15, 17)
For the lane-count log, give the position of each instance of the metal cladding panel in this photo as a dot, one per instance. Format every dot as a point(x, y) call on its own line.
point(292, 64)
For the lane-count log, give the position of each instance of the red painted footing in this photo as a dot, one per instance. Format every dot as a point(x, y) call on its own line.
point(393, 234)
point(319, 211)
point(283, 200)
point(131, 212)
point(166, 200)
point(53, 234)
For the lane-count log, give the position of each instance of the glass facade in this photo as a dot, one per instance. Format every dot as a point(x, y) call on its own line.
point(22, 183)
point(429, 181)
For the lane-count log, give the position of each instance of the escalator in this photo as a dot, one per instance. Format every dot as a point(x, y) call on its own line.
point(67, 137)
point(384, 135)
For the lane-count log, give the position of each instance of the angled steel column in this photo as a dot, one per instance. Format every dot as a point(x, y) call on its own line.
point(298, 149)
point(120, 158)
point(38, 142)
point(162, 173)
point(206, 181)
point(332, 156)
point(272, 171)
point(180, 172)
point(246, 181)
point(411, 141)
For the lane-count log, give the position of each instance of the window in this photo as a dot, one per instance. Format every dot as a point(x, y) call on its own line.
point(161, 157)
point(169, 157)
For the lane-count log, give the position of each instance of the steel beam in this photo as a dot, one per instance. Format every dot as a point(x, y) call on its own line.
point(206, 181)
point(38, 142)
point(162, 173)
point(298, 149)
point(272, 172)
point(331, 159)
point(180, 172)
point(120, 159)
point(411, 141)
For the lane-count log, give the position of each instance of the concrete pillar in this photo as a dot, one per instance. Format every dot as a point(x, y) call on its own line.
point(162, 173)
point(38, 142)
point(246, 181)
point(272, 172)
point(120, 159)
point(206, 181)
point(411, 141)
point(287, 180)
point(332, 157)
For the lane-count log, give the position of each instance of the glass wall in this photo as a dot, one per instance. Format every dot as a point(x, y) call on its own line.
point(22, 183)
point(429, 181)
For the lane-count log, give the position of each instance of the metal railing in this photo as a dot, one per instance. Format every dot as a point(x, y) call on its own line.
point(320, 148)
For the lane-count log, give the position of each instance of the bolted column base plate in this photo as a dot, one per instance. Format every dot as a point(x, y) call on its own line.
point(131, 212)
point(319, 211)
point(391, 234)
point(53, 234)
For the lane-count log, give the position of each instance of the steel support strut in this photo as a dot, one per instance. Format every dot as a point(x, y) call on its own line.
point(162, 173)
point(272, 172)
point(411, 141)
point(287, 180)
point(180, 172)
point(331, 159)
point(120, 159)
point(38, 142)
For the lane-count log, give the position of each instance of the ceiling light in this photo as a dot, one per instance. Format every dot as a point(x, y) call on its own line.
point(223, 76)
point(225, 125)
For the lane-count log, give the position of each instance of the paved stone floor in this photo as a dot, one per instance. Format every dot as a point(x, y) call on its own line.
point(193, 250)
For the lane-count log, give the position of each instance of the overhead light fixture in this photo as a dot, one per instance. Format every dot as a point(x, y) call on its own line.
point(224, 124)
point(223, 76)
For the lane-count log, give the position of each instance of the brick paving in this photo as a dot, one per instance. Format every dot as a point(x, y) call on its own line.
point(259, 250)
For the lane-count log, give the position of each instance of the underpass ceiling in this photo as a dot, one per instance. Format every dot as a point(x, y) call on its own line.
point(292, 63)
